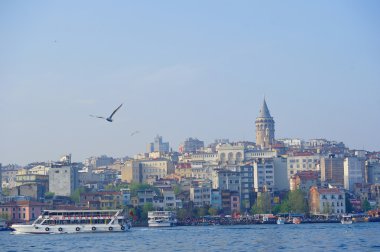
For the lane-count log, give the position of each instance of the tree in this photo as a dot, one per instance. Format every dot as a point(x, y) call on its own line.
point(75, 196)
point(366, 205)
point(182, 214)
point(146, 208)
point(297, 201)
point(285, 207)
point(177, 189)
point(5, 191)
point(349, 206)
point(212, 211)
point(202, 211)
point(262, 204)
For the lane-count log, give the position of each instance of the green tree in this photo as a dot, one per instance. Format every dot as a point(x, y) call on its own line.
point(297, 201)
point(145, 209)
point(262, 204)
point(276, 209)
point(212, 211)
point(75, 196)
point(366, 205)
point(285, 206)
point(349, 207)
point(183, 213)
point(5, 191)
point(177, 189)
point(202, 211)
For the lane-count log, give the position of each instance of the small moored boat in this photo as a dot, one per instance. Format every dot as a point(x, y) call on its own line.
point(346, 219)
point(280, 220)
point(296, 220)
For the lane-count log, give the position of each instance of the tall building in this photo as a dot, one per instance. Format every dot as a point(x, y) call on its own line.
point(372, 171)
point(191, 145)
point(263, 175)
point(264, 127)
point(332, 169)
point(63, 179)
point(158, 145)
point(353, 172)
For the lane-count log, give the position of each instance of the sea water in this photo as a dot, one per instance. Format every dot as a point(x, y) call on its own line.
point(290, 237)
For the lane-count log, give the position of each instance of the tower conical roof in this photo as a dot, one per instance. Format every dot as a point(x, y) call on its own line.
point(264, 111)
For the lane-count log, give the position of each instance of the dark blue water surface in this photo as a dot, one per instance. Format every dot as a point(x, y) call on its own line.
point(304, 237)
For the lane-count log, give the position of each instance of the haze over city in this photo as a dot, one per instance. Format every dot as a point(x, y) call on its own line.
point(184, 69)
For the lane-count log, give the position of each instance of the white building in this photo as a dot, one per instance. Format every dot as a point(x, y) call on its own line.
point(353, 172)
point(254, 154)
point(263, 174)
point(329, 201)
point(303, 161)
point(281, 181)
point(292, 142)
point(230, 154)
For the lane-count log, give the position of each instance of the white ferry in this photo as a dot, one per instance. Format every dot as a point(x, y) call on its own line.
point(162, 219)
point(75, 221)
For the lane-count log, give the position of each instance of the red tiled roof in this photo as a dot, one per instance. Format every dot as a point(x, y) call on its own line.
point(307, 175)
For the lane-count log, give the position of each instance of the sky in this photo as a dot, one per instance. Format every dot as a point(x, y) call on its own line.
point(184, 69)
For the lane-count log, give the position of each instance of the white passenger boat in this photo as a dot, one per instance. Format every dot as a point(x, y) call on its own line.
point(162, 219)
point(346, 219)
point(75, 221)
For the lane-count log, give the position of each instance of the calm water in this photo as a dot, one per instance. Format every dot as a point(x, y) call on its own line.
point(304, 237)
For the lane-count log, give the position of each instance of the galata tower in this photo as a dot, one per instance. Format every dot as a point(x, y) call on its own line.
point(264, 127)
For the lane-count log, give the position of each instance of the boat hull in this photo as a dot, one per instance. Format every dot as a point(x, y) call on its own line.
point(61, 229)
point(161, 224)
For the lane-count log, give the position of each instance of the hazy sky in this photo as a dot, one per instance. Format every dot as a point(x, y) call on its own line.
point(184, 69)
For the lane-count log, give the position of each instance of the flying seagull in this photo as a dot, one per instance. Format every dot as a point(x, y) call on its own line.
point(135, 132)
point(110, 117)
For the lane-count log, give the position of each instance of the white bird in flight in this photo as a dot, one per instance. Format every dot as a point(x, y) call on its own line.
point(110, 117)
point(135, 132)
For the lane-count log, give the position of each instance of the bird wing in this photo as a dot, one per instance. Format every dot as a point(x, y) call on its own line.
point(134, 133)
point(98, 116)
point(115, 110)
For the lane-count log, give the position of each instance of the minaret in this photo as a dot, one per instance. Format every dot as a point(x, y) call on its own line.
point(264, 127)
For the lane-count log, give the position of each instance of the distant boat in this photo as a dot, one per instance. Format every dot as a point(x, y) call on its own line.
point(296, 220)
point(346, 219)
point(280, 220)
point(162, 219)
